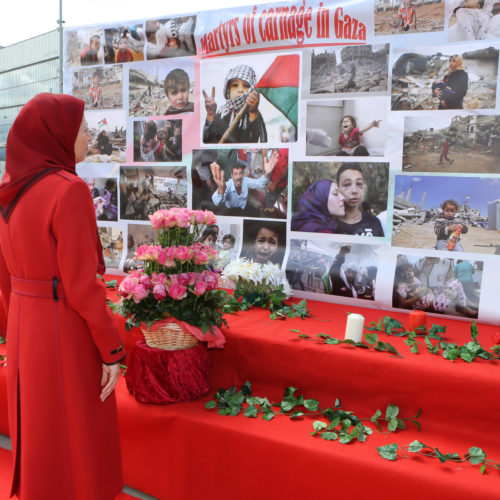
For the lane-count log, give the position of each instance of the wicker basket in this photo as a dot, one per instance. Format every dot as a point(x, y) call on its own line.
point(170, 338)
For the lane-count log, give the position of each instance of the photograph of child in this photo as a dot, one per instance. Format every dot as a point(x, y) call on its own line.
point(84, 47)
point(137, 235)
point(346, 127)
point(108, 130)
point(112, 245)
point(162, 89)
point(171, 37)
point(225, 239)
point(359, 68)
point(264, 241)
point(143, 191)
point(394, 17)
point(236, 109)
point(340, 198)
point(124, 44)
point(443, 286)
point(450, 78)
point(464, 218)
point(333, 268)
point(104, 192)
point(452, 143)
point(157, 141)
point(100, 88)
point(473, 20)
point(241, 182)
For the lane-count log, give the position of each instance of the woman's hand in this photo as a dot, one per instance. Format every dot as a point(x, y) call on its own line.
point(110, 375)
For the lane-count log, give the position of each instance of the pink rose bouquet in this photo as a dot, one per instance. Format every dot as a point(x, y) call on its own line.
point(174, 280)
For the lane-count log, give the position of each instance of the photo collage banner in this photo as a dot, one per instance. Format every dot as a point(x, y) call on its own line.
point(355, 144)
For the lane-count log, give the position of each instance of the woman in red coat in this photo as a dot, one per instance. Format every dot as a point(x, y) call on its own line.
point(62, 342)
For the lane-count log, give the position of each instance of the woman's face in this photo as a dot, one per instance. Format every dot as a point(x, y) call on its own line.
point(453, 64)
point(352, 187)
point(336, 200)
point(266, 245)
point(82, 141)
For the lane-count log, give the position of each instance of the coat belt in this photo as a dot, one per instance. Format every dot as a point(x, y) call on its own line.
point(49, 289)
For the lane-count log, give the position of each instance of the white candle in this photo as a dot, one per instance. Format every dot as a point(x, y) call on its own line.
point(354, 327)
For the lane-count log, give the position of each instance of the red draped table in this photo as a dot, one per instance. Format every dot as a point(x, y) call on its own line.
point(162, 376)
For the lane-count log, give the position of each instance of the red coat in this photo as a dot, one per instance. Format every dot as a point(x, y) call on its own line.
point(65, 440)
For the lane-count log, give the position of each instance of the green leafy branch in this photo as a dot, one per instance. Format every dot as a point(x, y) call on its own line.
point(110, 283)
point(475, 455)
point(371, 342)
point(340, 424)
point(267, 298)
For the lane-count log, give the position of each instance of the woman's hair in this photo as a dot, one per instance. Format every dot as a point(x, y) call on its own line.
point(400, 270)
point(348, 166)
point(460, 63)
point(353, 120)
point(453, 203)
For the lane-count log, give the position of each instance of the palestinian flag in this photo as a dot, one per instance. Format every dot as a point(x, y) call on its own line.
point(280, 85)
point(102, 122)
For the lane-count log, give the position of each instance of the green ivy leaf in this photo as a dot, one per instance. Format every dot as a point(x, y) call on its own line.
point(482, 469)
point(288, 403)
point(319, 424)
point(294, 330)
point(376, 416)
point(416, 446)
point(371, 338)
point(297, 414)
point(251, 411)
point(210, 404)
point(329, 436)
point(246, 388)
point(304, 336)
point(393, 424)
point(474, 330)
point(311, 404)
point(234, 410)
point(332, 341)
point(290, 391)
point(442, 458)
point(389, 451)
point(476, 455)
point(268, 415)
point(391, 411)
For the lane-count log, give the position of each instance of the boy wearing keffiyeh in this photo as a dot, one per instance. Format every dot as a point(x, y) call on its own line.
point(238, 92)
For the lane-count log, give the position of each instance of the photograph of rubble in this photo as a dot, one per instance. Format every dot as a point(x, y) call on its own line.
point(437, 285)
point(108, 130)
point(112, 245)
point(250, 99)
point(452, 214)
point(145, 190)
point(161, 89)
point(172, 37)
point(473, 20)
point(124, 44)
point(354, 127)
point(458, 143)
point(394, 17)
point(358, 68)
point(330, 268)
point(157, 141)
point(84, 47)
point(448, 77)
point(340, 198)
point(99, 88)
point(260, 176)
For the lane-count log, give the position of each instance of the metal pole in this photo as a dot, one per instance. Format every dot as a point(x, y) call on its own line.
point(60, 29)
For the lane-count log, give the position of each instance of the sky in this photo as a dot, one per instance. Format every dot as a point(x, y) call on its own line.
point(481, 190)
point(25, 19)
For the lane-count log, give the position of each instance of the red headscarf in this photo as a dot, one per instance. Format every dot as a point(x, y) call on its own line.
point(40, 142)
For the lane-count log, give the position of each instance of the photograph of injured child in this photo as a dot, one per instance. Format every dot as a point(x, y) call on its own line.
point(351, 127)
point(99, 88)
point(452, 143)
point(448, 77)
point(340, 198)
point(346, 270)
point(452, 214)
point(359, 68)
point(241, 182)
point(433, 284)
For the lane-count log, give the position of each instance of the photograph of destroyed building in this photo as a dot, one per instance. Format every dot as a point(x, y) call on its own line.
point(358, 68)
point(459, 143)
point(418, 211)
point(423, 16)
point(416, 75)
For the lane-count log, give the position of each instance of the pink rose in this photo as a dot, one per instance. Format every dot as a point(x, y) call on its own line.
point(198, 216)
point(165, 258)
point(182, 219)
point(182, 253)
point(200, 288)
point(159, 292)
point(157, 219)
point(201, 257)
point(183, 279)
point(177, 292)
point(210, 218)
point(139, 292)
point(145, 281)
point(158, 279)
point(148, 252)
